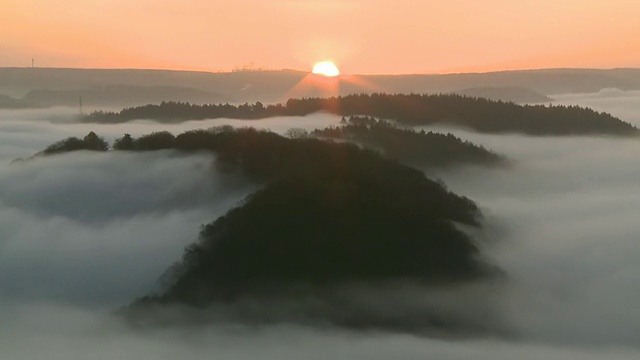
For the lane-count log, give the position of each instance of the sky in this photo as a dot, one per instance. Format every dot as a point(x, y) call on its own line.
point(361, 36)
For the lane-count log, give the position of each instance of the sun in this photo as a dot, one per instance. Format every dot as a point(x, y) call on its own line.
point(326, 68)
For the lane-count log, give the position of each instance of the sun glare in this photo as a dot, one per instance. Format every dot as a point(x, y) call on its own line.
point(326, 68)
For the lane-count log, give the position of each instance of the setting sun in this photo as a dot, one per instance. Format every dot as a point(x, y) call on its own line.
point(326, 68)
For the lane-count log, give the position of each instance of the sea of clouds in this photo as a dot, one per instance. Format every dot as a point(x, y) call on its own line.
point(82, 234)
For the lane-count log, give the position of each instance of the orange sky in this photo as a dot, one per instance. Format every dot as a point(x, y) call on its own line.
point(361, 36)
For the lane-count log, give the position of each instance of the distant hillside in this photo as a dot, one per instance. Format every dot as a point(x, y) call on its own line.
point(276, 86)
point(413, 110)
point(7, 102)
point(518, 95)
point(119, 96)
point(548, 81)
point(236, 87)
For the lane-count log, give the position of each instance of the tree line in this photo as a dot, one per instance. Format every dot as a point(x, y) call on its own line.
point(479, 114)
point(424, 149)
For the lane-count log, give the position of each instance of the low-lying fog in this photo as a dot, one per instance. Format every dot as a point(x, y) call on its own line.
point(82, 234)
point(623, 104)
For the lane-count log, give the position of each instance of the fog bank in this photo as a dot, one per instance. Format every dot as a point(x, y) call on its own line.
point(562, 223)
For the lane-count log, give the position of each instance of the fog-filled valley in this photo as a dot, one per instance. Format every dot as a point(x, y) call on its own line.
point(86, 233)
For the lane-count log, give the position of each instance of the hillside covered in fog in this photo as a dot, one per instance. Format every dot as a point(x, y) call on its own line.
point(87, 232)
point(329, 214)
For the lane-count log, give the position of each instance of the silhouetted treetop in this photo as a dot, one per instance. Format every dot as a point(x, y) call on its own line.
point(90, 142)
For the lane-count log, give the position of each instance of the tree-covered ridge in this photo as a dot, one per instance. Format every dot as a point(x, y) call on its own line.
point(409, 146)
point(91, 142)
point(329, 214)
point(424, 149)
point(475, 113)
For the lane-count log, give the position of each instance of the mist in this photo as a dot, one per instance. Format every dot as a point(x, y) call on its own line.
point(43, 332)
point(561, 223)
point(96, 227)
point(623, 104)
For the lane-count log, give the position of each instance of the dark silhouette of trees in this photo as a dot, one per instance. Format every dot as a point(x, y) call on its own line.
point(476, 113)
point(94, 142)
point(302, 229)
point(154, 141)
point(90, 142)
point(297, 133)
point(124, 143)
point(328, 213)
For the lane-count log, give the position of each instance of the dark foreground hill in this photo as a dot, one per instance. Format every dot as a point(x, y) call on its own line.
point(330, 215)
point(413, 110)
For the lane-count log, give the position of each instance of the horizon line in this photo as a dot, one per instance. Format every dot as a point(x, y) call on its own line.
point(266, 70)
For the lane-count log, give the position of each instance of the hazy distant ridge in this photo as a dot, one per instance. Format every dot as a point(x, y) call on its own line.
point(272, 86)
point(119, 95)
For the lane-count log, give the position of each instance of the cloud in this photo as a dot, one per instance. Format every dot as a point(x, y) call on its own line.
point(562, 223)
point(102, 186)
point(623, 104)
point(97, 229)
point(42, 331)
point(92, 227)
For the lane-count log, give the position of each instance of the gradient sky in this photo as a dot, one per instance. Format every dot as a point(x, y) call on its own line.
point(361, 36)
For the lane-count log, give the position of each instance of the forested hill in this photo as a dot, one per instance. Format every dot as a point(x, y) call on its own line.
point(475, 113)
point(329, 214)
